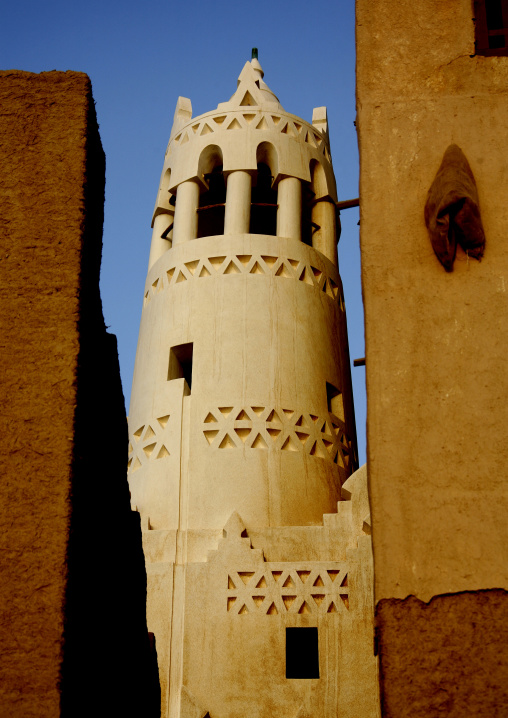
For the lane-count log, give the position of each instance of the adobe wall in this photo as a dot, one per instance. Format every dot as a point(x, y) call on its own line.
point(436, 347)
point(72, 580)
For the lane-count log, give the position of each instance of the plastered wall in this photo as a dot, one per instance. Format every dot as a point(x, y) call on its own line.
point(72, 578)
point(436, 346)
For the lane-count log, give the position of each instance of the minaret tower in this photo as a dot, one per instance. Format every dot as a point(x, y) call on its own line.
point(241, 419)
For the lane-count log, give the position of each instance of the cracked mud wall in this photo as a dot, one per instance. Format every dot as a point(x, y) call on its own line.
point(436, 348)
point(72, 578)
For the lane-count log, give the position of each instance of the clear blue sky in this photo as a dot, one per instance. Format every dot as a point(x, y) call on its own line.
point(140, 58)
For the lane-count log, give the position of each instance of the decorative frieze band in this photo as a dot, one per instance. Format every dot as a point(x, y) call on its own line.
point(257, 120)
point(288, 588)
point(269, 265)
point(259, 427)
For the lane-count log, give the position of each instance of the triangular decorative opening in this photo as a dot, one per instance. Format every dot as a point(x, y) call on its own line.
point(129, 464)
point(339, 459)
point(333, 574)
point(283, 271)
point(274, 433)
point(154, 284)
point(137, 434)
point(249, 118)
point(244, 258)
point(269, 261)
point(273, 416)
point(288, 583)
point(302, 436)
point(136, 464)
point(289, 445)
point(272, 611)
point(259, 443)
point(303, 575)
point(329, 289)
point(231, 268)
point(246, 576)
point(317, 450)
point(275, 119)
point(344, 581)
point(332, 608)
point(328, 444)
point(216, 262)
point(243, 609)
point(130, 449)
point(185, 139)
point(302, 422)
point(256, 269)
point(195, 128)
point(163, 452)
point(258, 600)
point(333, 287)
point(210, 418)
point(261, 583)
point(317, 272)
point(231, 602)
point(314, 417)
point(231, 583)
point(318, 582)
point(219, 119)
point(318, 140)
point(207, 130)
point(210, 435)
point(227, 443)
point(178, 137)
point(318, 598)
point(243, 416)
point(170, 273)
point(248, 101)
point(288, 412)
point(181, 277)
point(262, 125)
point(225, 410)
point(243, 434)
point(148, 433)
point(258, 410)
point(204, 272)
point(276, 575)
point(191, 266)
point(288, 601)
point(345, 600)
point(306, 277)
point(298, 127)
point(304, 608)
point(163, 420)
point(235, 125)
point(294, 263)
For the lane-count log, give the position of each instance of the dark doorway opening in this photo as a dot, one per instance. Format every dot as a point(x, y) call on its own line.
point(302, 653)
point(180, 363)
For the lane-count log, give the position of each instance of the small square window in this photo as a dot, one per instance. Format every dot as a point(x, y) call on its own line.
point(302, 653)
point(180, 363)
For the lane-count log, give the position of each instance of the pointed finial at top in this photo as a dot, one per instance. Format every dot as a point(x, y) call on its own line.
point(254, 53)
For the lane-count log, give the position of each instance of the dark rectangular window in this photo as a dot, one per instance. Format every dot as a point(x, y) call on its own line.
point(302, 653)
point(180, 363)
point(335, 401)
point(491, 27)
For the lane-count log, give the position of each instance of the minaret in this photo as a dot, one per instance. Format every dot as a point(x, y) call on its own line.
point(241, 418)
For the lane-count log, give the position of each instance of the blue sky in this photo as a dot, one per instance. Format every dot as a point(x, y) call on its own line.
point(140, 58)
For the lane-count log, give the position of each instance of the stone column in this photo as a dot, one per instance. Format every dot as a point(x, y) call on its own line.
point(324, 239)
point(289, 214)
point(186, 216)
point(238, 203)
point(159, 245)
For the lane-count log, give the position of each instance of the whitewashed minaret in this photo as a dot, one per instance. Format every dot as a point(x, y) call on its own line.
point(241, 421)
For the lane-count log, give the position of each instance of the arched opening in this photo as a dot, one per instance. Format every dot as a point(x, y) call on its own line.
point(319, 227)
point(263, 215)
point(212, 201)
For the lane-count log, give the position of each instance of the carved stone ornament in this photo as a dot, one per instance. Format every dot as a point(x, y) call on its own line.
point(452, 212)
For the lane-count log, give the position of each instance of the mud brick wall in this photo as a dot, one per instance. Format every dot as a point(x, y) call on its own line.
point(72, 578)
